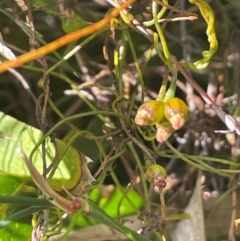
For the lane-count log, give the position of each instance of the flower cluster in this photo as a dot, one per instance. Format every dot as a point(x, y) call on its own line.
point(167, 116)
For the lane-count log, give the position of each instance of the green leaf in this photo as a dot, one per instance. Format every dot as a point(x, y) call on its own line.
point(16, 232)
point(115, 205)
point(98, 214)
point(72, 22)
point(10, 185)
point(14, 133)
point(19, 215)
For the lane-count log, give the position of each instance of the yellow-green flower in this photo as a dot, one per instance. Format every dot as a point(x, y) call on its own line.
point(150, 113)
point(176, 111)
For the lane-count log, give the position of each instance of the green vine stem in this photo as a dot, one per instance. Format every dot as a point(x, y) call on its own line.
point(160, 33)
point(172, 88)
point(207, 13)
point(162, 91)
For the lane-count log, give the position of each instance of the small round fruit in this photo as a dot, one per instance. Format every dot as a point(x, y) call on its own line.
point(156, 175)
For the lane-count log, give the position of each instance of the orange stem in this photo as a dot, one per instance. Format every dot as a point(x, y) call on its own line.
point(63, 40)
